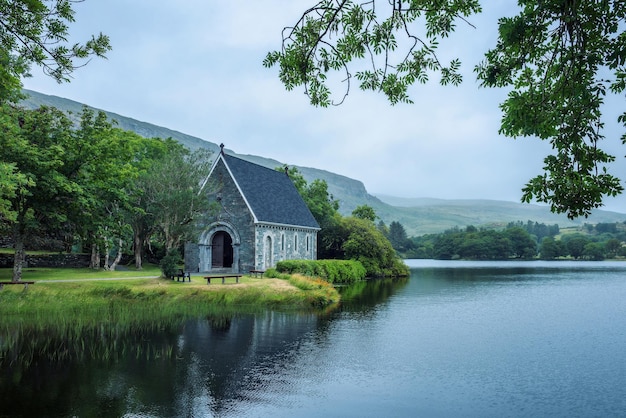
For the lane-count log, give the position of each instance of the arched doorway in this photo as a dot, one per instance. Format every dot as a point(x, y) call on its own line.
point(219, 248)
point(222, 250)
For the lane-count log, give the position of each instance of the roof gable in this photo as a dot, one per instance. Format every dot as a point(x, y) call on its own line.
point(270, 194)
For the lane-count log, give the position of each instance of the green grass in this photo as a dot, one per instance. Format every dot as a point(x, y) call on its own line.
point(90, 318)
point(41, 273)
point(45, 301)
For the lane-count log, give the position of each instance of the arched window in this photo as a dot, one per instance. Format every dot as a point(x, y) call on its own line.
point(268, 259)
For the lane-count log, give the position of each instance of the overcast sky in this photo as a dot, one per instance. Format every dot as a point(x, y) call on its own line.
point(196, 67)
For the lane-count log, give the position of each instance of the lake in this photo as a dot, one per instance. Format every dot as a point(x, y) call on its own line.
point(464, 339)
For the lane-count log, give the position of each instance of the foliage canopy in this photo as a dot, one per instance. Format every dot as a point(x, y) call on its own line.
point(557, 58)
point(36, 32)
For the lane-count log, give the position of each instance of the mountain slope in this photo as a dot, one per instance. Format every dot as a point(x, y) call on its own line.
point(418, 216)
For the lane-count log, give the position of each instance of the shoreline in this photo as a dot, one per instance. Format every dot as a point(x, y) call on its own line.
point(130, 300)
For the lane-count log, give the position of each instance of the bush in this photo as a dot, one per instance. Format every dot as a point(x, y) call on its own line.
point(169, 263)
point(365, 243)
point(333, 271)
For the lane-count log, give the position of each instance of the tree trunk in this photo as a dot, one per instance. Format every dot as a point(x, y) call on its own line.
point(95, 257)
point(138, 250)
point(18, 259)
point(118, 257)
point(106, 252)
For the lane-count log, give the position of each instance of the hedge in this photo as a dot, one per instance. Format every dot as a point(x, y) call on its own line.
point(333, 271)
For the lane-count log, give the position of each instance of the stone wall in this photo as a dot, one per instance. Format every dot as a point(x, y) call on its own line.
point(232, 214)
point(48, 260)
point(192, 257)
point(234, 210)
point(276, 243)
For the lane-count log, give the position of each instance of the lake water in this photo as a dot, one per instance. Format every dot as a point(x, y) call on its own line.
point(464, 339)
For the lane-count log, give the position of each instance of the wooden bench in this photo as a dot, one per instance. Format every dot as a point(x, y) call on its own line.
point(20, 282)
point(181, 275)
point(257, 272)
point(223, 277)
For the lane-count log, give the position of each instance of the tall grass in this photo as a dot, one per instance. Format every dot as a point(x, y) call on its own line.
point(95, 319)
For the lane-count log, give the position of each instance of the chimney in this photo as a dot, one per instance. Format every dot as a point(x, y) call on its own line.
point(287, 171)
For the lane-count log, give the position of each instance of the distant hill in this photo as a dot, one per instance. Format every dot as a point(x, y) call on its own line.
point(147, 130)
point(418, 216)
point(434, 215)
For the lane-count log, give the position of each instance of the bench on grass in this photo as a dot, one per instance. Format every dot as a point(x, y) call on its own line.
point(20, 282)
point(223, 277)
point(257, 272)
point(181, 275)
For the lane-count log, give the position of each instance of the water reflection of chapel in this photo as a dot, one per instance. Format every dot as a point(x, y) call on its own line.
point(261, 220)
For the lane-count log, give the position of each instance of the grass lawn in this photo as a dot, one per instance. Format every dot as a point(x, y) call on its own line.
point(66, 295)
point(36, 274)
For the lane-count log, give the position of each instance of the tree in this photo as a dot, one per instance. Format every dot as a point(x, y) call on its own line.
point(325, 210)
point(365, 243)
point(594, 251)
point(171, 189)
point(484, 244)
point(383, 228)
point(606, 228)
point(398, 237)
point(549, 248)
point(34, 142)
point(612, 247)
point(365, 212)
point(446, 245)
point(558, 58)
point(64, 170)
point(320, 202)
point(107, 225)
point(36, 32)
point(522, 245)
point(576, 245)
point(11, 183)
point(78, 180)
point(296, 177)
point(333, 33)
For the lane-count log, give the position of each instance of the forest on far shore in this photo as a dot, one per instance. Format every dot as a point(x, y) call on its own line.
point(517, 240)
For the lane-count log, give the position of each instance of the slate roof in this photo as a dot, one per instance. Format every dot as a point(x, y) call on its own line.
point(271, 195)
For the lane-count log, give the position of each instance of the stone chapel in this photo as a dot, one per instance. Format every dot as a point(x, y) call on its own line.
point(261, 219)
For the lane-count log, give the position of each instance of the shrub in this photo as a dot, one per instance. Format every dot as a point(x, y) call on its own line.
point(333, 271)
point(365, 243)
point(169, 263)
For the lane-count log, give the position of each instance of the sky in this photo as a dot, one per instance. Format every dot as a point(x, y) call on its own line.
point(196, 67)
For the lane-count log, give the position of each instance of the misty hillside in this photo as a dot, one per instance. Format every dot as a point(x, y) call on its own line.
point(418, 216)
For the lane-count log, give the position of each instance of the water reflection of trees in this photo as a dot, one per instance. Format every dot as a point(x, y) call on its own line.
point(59, 372)
point(367, 294)
point(199, 365)
point(207, 365)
